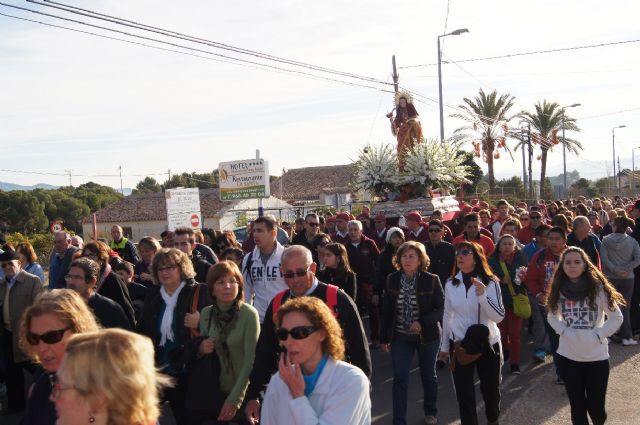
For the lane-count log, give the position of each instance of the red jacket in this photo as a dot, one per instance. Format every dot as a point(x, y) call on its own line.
point(526, 235)
point(485, 242)
point(423, 236)
point(363, 259)
point(540, 270)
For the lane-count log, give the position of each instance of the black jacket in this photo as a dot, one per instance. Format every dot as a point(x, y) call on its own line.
point(115, 289)
point(347, 281)
point(200, 266)
point(268, 347)
point(430, 297)
point(149, 324)
point(384, 267)
point(442, 258)
point(109, 313)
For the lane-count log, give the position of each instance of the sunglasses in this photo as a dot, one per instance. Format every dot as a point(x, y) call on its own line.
point(299, 332)
point(314, 224)
point(464, 252)
point(434, 230)
point(163, 268)
point(51, 337)
point(299, 273)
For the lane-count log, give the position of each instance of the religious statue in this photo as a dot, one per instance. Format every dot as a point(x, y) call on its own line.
point(405, 126)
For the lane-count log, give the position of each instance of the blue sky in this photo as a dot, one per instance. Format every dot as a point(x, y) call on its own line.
point(69, 101)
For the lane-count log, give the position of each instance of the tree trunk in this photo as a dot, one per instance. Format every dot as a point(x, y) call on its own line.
point(543, 169)
point(492, 179)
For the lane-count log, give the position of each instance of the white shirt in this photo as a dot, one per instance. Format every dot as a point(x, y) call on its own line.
point(262, 282)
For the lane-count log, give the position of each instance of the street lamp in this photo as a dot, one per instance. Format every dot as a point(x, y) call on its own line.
point(456, 32)
point(616, 180)
point(564, 148)
point(633, 170)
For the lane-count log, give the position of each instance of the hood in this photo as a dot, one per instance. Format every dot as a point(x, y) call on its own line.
point(616, 238)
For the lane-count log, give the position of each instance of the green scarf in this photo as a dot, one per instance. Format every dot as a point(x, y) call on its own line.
point(224, 321)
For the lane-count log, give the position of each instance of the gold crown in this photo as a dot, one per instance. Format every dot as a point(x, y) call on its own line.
point(404, 94)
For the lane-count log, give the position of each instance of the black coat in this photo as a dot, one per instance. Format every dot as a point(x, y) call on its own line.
point(200, 266)
point(430, 297)
point(442, 257)
point(268, 347)
point(384, 267)
point(115, 289)
point(109, 313)
point(346, 281)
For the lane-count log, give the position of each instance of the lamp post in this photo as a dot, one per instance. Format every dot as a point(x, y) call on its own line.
point(633, 171)
point(564, 148)
point(616, 180)
point(456, 32)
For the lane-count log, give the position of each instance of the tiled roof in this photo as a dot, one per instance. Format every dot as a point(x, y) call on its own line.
point(152, 207)
point(302, 184)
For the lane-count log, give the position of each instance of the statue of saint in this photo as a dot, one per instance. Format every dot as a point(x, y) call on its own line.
point(405, 126)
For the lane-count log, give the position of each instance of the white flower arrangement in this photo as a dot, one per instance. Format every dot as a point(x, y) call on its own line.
point(376, 169)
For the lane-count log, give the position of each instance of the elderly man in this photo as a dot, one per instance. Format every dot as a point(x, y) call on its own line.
point(63, 253)
point(299, 270)
point(77, 241)
point(123, 246)
point(18, 290)
point(341, 234)
point(582, 237)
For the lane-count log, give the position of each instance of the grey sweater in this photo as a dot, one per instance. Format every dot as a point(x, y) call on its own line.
point(619, 253)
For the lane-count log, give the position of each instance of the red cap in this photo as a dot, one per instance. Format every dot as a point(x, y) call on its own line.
point(342, 216)
point(465, 209)
point(362, 217)
point(484, 204)
point(380, 217)
point(475, 201)
point(415, 216)
point(331, 219)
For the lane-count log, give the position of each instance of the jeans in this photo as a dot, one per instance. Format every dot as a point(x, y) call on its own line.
point(538, 315)
point(401, 358)
point(586, 386)
point(554, 339)
point(625, 287)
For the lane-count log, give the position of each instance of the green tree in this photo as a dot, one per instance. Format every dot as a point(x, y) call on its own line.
point(546, 123)
point(95, 196)
point(605, 185)
point(474, 171)
point(487, 120)
point(148, 185)
point(20, 211)
point(193, 179)
point(546, 190)
point(59, 205)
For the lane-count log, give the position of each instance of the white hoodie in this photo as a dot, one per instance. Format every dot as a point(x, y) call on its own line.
point(583, 330)
point(461, 311)
point(262, 282)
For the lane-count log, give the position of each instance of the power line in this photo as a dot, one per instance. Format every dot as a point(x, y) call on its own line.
point(534, 52)
point(293, 71)
point(218, 45)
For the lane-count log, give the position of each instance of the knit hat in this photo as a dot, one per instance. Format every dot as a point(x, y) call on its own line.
point(392, 231)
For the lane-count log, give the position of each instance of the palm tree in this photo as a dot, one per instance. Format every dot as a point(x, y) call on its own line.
point(487, 126)
point(546, 123)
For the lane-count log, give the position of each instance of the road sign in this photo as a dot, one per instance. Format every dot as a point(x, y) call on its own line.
point(183, 208)
point(56, 226)
point(246, 179)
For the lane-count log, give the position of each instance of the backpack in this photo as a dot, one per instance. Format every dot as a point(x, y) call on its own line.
point(332, 300)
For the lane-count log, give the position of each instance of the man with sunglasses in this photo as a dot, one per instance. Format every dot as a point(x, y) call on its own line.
point(83, 277)
point(311, 228)
point(472, 234)
point(18, 290)
point(441, 253)
point(299, 270)
point(528, 232)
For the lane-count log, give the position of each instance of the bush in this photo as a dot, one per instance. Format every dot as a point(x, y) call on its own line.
point(42, 243)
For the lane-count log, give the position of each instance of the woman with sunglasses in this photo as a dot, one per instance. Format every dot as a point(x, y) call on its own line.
point(168, 311)
point(313, 384)
point(337, 270)
point(108, 378)
point(413, 305)
point(44, 332)
point(472, 296)
point(578, 300)
point(232, 327)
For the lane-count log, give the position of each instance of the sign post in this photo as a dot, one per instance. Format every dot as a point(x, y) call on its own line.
point(183, 208)
point(245, 179)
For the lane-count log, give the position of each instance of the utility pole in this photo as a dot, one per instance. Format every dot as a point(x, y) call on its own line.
point(530, 158)
point(524, 164)
point(120, 169)
point(619, 170)
point(395, 73)
point(169, 180)
point(69, 172)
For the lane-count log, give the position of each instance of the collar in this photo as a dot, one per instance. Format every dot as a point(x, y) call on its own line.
point(314, 286)
point(342, 235)
point(417, 232)
point(382, 232)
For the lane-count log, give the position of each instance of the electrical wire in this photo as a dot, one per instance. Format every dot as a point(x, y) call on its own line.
point(293, 71)
point(534, 52)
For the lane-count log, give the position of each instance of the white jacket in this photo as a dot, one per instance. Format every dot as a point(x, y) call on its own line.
point(341, 397)
point(262, 283)
point(461, 311)
point(583, 330)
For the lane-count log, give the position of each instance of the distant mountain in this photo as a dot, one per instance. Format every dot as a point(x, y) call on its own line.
point(12, 186)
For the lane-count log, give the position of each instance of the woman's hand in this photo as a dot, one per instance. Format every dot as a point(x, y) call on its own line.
point(480, 287)
point(228, 412)
point(415, 327)
point(291, 374)
point(207, 346)
point(191, 320)
point(375, 300)
point(443, 355)
point(386, 347)
point(145, 277)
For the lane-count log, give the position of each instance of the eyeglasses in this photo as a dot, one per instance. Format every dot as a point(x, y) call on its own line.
point(299, 332)
point(9, 264)
point(57, 387)
point(164, 268)
point(536, 217)
point(73, 277)
point(464, 252)
point(314, 224)
point(49, 338)
point(434, 230)
point(524, 218)
point(222, 283)
point(299, 273)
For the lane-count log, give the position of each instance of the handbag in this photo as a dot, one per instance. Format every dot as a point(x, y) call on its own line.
point(472, 346)
point(521, 305)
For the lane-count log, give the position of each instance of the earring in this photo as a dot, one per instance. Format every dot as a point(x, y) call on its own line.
point(91, 419)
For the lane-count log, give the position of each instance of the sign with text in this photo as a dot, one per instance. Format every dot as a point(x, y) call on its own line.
point(183, 208)
point(247, 179)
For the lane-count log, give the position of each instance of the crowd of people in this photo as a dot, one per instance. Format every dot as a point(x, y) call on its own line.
point(271, 330)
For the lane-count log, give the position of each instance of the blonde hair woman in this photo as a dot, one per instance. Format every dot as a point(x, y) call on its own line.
point(108, 377)
point(44, 331)
point(313, 384)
